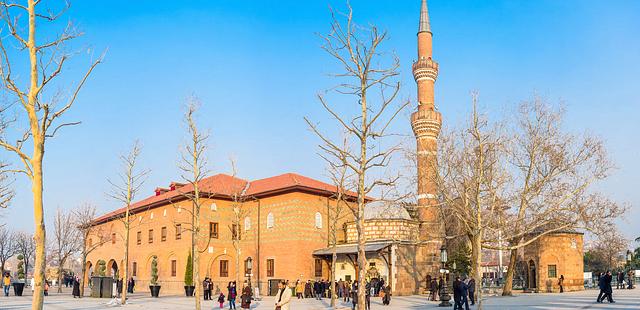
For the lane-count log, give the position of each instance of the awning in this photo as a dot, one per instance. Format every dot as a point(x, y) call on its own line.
point(352, 249)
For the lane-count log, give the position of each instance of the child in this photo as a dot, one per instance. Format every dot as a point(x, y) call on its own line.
point(221, 300)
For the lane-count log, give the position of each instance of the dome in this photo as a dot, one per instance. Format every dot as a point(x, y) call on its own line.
point(384, 210)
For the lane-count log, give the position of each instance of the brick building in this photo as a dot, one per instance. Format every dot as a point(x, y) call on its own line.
point(284, 220)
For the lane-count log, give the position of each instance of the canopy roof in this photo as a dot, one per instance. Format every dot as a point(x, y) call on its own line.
point(353, 248)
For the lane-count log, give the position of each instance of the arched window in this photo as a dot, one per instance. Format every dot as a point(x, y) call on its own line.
point(247, 223)
point(318, 220)
point(270, 220)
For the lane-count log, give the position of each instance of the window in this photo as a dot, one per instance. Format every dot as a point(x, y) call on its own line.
point(235, 232)
point(174, 268)
point(163, 234)
point(347, 278)
point(271, 264)
point(213, 230)
point(224, 268)
point(139, 238)
point(270, 220)
point(372, 264)
point(247, 223)
point(150, 235)
point(552, 271)
point(318, 220)
point(318, 267)
point(214, 207)
point(134, 269)
point(178, 231)
point(113, 238)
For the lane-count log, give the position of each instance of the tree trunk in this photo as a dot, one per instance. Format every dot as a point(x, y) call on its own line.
point(508, 280)
point(84, 272)
point(195, 250)
point(40, 232)
point(476, 265)
point(334, 289)
point(60, 266)
point(125, 279)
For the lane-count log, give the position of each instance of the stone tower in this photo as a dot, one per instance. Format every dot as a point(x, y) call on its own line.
point(426, 123)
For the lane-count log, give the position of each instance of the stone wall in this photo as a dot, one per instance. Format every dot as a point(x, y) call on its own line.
point(383, 229)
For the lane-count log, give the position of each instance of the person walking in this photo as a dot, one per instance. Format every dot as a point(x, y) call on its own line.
point(231, 296)
point(607, 285)
point(221, 300)
point(630, 281)
point(6, 282)
point(317, 290)
point(386, 297)
point(561, 283)
point(131, 285)
point(76, 287)
point(283, 296)
point(434, 289)
point(346, 294)
point(602, 294)
point(245, 298)
point(354, 295)
point(308, 289)
point(620, 280)
point(206, 287)
point(472, 291)
point(46, 288)
point(299, 289)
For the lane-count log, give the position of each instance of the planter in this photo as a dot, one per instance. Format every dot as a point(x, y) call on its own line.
point(188, 290)
point(155, 290)
point(18, 288)
point(101, 287)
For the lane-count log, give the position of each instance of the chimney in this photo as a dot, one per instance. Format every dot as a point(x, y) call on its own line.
point(159, 191)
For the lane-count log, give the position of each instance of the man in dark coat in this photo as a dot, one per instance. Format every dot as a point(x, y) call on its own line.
point(472, 291)
point(607, 286)
point(317, 289)
point(434, 289)
point(367, 295)
point(307, 289)
point(602, 294)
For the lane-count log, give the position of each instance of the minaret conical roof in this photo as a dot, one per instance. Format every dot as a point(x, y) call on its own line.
point(424, 18)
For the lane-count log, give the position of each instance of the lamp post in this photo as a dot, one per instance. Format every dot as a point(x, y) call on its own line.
point(444, 296)
point(248, 266)
point(629, 273)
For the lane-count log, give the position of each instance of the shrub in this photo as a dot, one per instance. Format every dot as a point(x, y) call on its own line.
point(102, 268)
point(188, 273)
point(154, 270)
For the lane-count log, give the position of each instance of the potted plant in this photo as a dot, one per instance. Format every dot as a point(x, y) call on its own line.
point(154, 288)
point(101, 285)
point(188, 277)
point(18, 286)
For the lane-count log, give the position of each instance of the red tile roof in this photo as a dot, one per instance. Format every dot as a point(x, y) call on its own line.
point(226, 186)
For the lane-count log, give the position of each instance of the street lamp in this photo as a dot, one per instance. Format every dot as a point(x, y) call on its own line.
point(444, 296)
point(629, 273)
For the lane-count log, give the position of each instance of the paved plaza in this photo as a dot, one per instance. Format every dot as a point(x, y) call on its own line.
point(625, 299)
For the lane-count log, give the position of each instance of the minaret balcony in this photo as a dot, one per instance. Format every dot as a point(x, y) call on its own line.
point(426, 123)
point(425, 68)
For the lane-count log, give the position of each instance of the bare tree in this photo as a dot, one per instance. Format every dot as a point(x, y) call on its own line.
point(6, 192)
point(607, 248)
point(66, 241)
point(239, 212)
point(340, 178)
point(83, 221)
point(41, 110)
point(8, 246)
point(194, 168)
point(124, 191)
point(27, 247)
point(364, 69)
point(470, 180)
point(551, 176)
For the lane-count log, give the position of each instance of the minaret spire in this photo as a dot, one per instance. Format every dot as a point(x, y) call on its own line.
point(424, 18)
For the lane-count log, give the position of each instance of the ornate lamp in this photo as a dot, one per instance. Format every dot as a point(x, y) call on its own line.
point(248, 267)
point(444, 296)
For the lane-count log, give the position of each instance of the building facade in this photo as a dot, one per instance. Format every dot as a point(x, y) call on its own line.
point(283, 220)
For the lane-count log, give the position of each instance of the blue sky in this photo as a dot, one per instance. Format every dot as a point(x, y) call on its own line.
point(257, 66)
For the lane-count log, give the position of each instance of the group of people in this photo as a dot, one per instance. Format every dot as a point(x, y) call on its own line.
point(345, 290)
point(463, 292)
point(232, 294)
point(624, 278)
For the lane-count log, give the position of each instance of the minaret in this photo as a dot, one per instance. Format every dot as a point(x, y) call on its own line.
point(426, 122)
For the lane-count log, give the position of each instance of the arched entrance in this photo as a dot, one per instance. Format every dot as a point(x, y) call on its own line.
point(88, 272)
point(112, 268)
point(532, 278)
